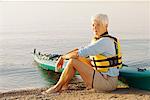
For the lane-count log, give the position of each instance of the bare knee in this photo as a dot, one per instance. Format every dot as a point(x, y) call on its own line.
point(72, 60)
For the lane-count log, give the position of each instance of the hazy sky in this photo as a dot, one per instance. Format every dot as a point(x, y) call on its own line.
point(128, 19)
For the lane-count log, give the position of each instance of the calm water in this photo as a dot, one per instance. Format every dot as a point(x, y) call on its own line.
point(18, 71)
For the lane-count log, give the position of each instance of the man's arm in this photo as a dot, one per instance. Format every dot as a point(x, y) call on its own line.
point(71, 54)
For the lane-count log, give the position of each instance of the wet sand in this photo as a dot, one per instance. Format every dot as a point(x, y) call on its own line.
point(77, 91)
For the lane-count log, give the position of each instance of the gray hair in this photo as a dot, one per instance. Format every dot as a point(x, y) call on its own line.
point(101, 18)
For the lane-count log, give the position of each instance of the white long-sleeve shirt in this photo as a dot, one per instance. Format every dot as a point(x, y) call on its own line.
point(104, 46)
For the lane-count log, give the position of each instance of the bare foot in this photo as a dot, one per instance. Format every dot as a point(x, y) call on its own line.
point(51, 90)
point(64, 88)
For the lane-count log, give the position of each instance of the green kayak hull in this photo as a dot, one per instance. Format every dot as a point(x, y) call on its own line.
point(134, 77)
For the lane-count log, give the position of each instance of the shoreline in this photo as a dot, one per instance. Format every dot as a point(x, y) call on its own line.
point(76, 92)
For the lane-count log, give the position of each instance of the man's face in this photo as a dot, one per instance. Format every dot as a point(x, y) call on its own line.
point(96, 27)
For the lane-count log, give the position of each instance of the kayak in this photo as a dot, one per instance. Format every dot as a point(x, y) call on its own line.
point(133, 77)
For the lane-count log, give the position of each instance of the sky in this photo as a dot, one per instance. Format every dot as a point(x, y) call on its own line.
point(127, 19)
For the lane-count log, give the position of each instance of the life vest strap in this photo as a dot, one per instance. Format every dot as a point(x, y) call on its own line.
point(108, 59)
point(108, 65)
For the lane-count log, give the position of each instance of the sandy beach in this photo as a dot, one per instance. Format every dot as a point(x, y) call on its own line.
point(77, 91)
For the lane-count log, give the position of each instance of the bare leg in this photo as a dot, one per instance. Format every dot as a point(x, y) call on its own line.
point(65, 86)
point(85, 70)
point(65, 77)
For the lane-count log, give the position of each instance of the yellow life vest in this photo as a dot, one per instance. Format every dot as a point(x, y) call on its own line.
point(103, 63)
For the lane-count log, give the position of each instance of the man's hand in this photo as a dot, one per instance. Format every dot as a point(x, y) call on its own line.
point(59, 63)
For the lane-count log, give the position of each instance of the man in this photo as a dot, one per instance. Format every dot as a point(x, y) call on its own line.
point(101, 72)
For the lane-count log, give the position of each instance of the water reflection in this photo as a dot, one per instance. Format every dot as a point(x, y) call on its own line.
point(50, 76)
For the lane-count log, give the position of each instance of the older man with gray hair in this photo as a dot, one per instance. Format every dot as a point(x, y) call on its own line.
point(102, 69)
